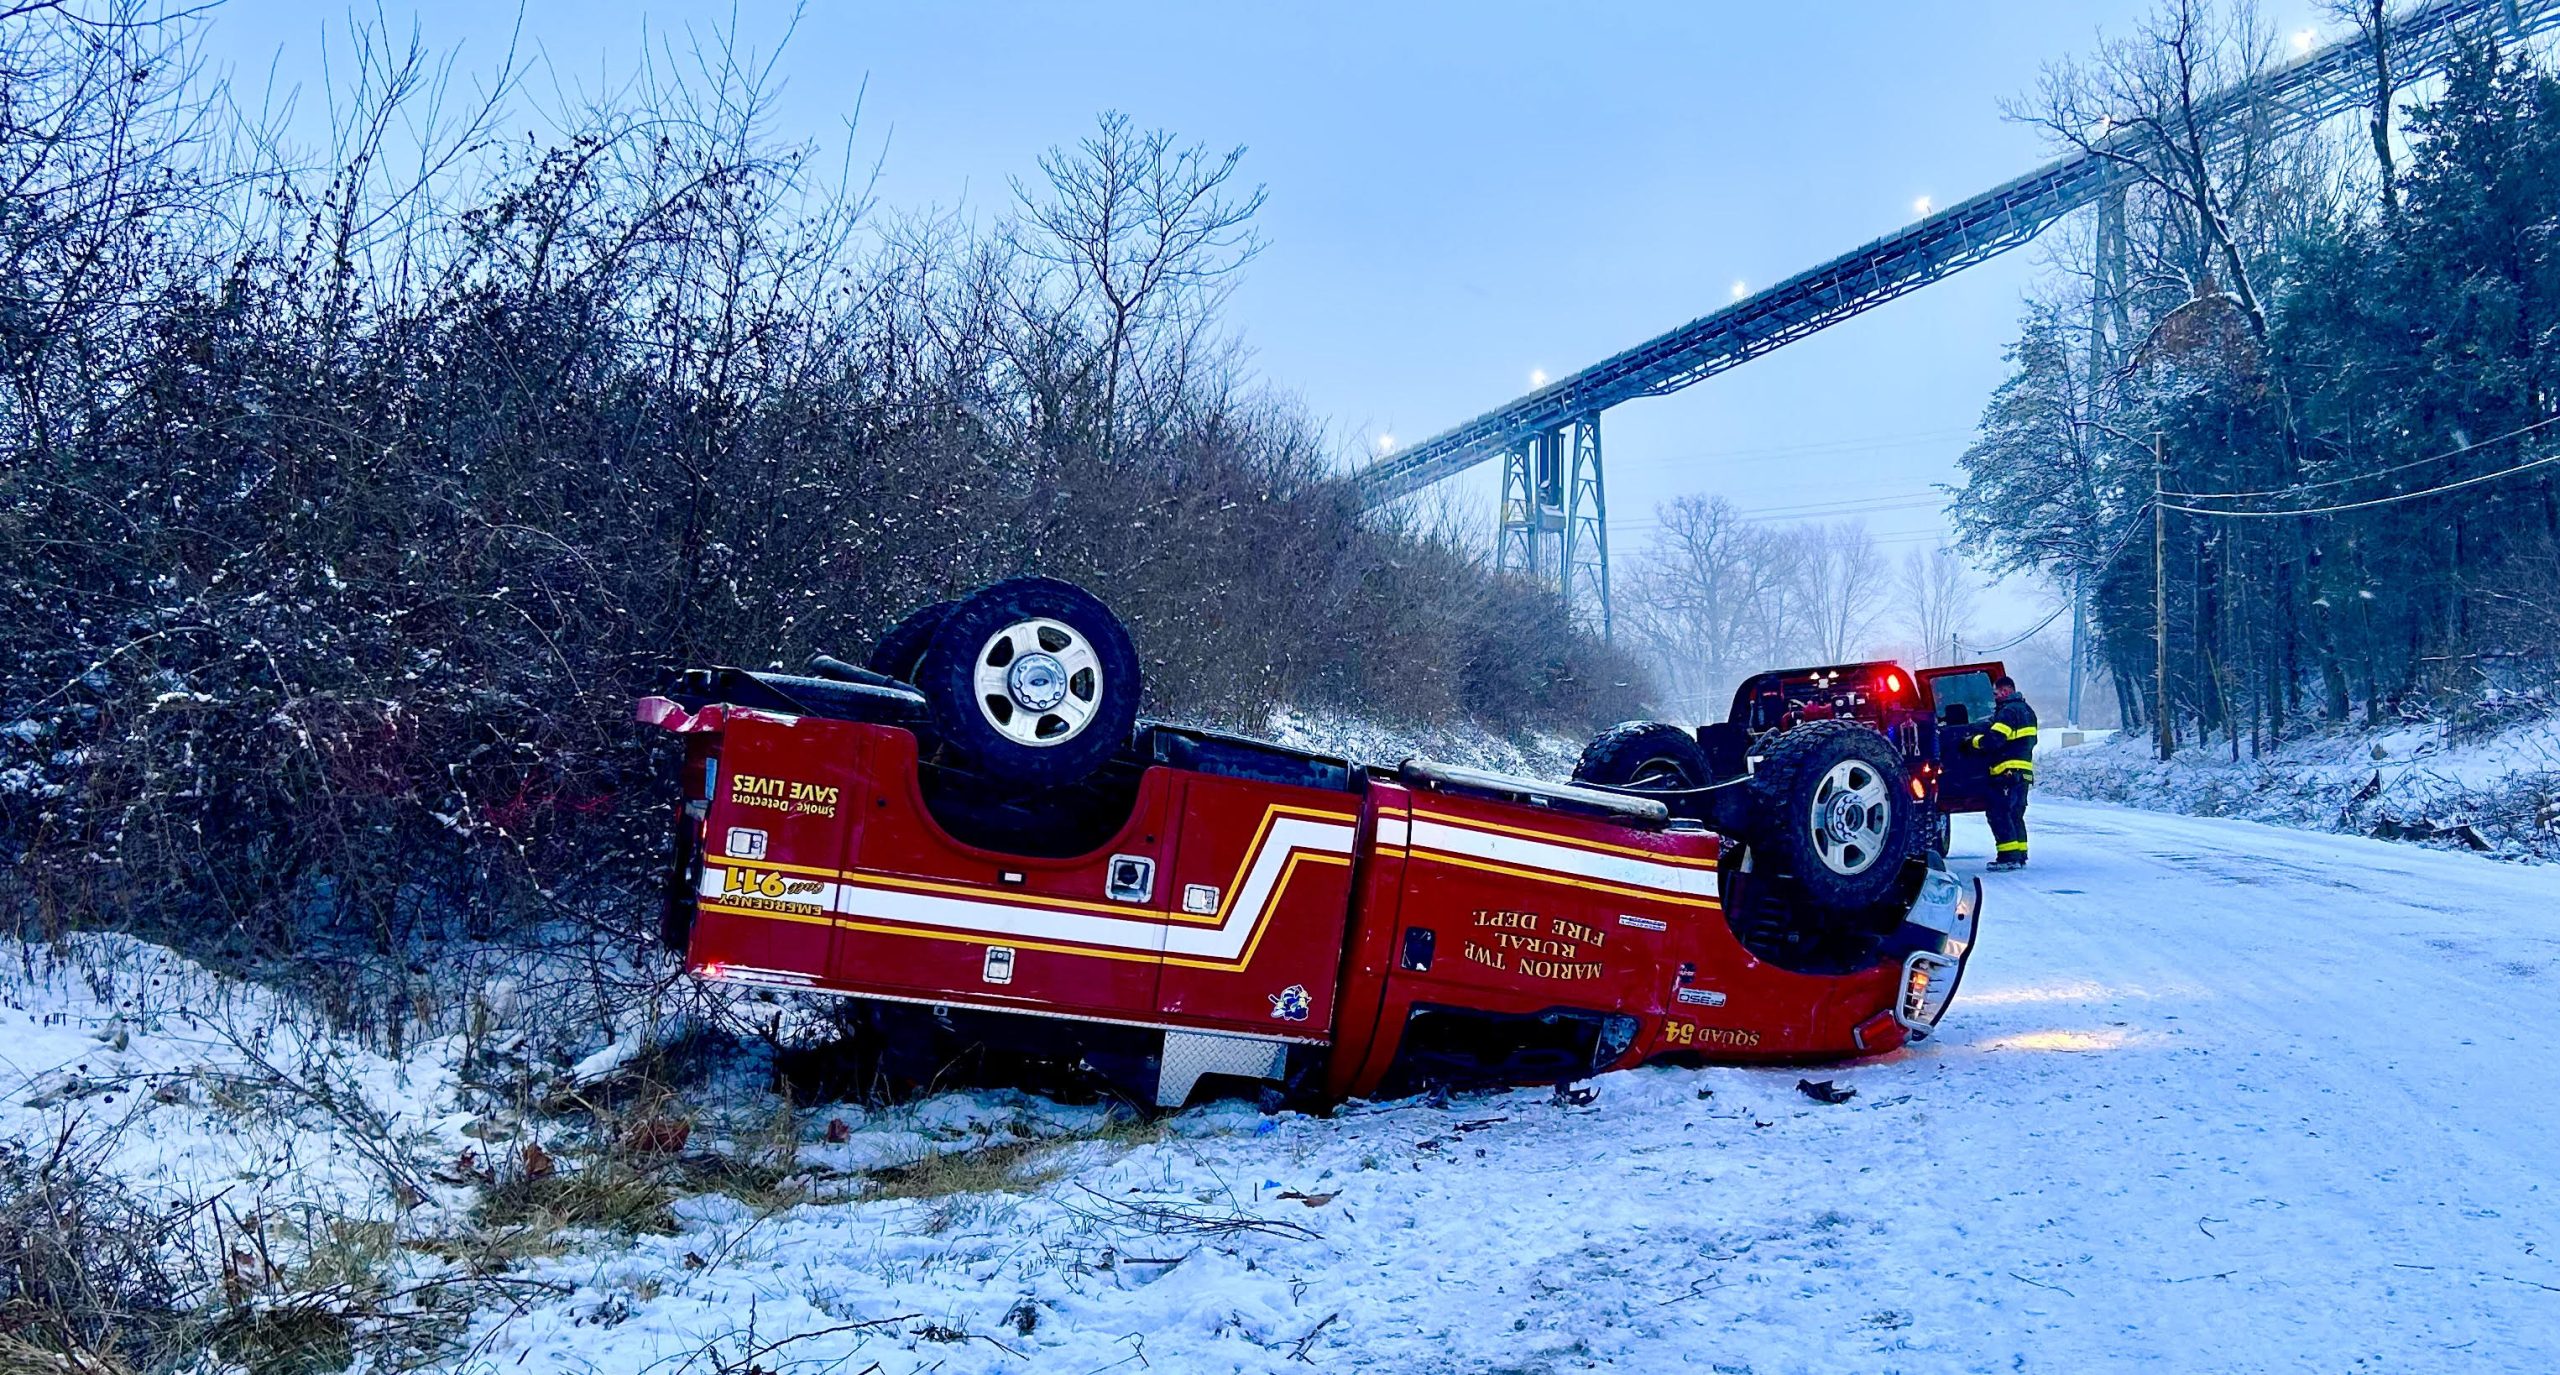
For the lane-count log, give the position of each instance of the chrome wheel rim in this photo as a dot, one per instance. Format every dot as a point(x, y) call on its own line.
point(1852, 813)
point(1038, 682)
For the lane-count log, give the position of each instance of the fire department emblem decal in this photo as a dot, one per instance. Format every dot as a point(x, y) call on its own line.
point(1292, 1004)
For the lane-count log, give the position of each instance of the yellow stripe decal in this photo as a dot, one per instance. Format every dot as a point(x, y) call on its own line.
point(1537, 856)
point(1567, 842)
point(813, 918)
point(895, 904)
point(742, 863)
point(1568, 880)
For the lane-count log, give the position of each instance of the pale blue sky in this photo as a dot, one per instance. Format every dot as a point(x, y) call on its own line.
point(1461, 193)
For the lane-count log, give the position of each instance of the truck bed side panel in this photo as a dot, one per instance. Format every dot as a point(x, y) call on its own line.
point(926, 917)
point(781, 820)
point(1376, 933)
point(1257, 894)
point(1529, 910)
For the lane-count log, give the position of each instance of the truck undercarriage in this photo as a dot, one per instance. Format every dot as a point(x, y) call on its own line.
point(1169, 906)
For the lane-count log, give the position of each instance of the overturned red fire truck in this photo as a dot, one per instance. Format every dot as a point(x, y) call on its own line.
point(974, 838)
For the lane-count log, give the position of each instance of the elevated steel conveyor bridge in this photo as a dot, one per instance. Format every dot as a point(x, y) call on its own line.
point(1554, 506)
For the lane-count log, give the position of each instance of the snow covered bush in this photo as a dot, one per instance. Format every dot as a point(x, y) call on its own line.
point(84, 1281)
point(2486, 778)
point(342, 516)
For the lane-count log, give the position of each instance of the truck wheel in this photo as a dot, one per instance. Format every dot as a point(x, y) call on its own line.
point(1032, 682)
point(903, 645)
point(1829, 804)
point(1643, 754)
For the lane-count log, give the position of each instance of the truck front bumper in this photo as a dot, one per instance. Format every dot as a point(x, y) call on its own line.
point(1938, 940)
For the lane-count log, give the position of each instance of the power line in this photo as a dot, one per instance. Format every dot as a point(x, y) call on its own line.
point(1812, 450)
point(2301, 487)
point(2377, 501)
point(1900, 440)
point(1798, 515)
point(2132, 522)
point(2028, 634)
point(1896, 501)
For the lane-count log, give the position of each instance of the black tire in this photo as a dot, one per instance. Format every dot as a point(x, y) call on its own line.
point(1845, 774)
point(1649, 755)
point(1033, 740)
point(902, 646)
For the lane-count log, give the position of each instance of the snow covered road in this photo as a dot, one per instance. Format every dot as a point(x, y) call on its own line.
point(2215, 1097)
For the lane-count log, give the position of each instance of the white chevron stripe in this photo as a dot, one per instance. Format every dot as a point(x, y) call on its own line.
point(1139, 930)
point(1564, 860)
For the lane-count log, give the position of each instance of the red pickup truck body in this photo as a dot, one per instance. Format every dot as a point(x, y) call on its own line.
point(1380, 934)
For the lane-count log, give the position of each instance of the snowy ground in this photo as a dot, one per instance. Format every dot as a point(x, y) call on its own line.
point(2216, 1096)
point(2496, 771)
point(194, 1086)
point(1535, 754)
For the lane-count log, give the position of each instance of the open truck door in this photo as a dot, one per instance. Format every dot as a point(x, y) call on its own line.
point(1960, 704)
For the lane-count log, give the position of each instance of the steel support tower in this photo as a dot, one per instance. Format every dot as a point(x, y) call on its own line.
point(2326, 83)
point(1555, 517)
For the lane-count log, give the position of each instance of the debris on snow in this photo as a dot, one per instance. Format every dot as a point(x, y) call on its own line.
point(1824, 1091)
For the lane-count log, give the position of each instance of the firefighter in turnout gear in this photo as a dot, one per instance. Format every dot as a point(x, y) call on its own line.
point(2010, 741)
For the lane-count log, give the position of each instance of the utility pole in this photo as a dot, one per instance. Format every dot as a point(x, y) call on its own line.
point(2160, 600)
point(2079, 644)
point(2106, 295)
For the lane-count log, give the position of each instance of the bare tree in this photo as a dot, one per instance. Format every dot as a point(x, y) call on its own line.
point(2372, 22)
point(1708, 603)
point(1936, 593)
point(2145, 106)
point(112, 147)
point(1841, 583)
point(1149, 232)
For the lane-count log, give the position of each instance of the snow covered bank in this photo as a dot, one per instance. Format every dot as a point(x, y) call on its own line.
point(2486, 783)
point(190, 1084)
point(2150, 1136)
point(1534, 755)
point(2215, 1096)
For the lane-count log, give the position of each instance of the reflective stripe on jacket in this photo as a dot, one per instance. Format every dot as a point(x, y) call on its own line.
point(2010, 739)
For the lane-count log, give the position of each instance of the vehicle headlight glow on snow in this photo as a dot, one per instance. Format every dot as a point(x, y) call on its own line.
point(2060, 1040)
